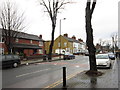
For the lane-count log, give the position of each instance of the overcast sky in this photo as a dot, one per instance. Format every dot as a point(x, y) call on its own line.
point(104, 21)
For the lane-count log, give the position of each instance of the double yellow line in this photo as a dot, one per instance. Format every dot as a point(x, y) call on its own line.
point(61, 81)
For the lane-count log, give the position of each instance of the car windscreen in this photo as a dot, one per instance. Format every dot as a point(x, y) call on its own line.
point(101, 56)
point(3, 58)
point(16, 57)
point(111, 55)
point(8, 57)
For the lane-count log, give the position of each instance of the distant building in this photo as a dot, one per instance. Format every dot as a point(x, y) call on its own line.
point(63, 44)
point(24, 43)
point(98, 48)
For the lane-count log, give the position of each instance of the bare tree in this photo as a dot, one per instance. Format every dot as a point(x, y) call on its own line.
point(12, 23)
point(114, 41)
point(104, 43)
point(89, 31)
point(101, 42)
point(53, 7)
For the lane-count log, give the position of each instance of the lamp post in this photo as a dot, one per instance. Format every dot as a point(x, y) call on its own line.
point(60, 37)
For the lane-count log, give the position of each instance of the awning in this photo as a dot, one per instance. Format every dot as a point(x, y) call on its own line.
point(26, 46)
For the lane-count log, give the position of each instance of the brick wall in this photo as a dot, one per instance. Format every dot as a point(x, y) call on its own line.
point(28, 52)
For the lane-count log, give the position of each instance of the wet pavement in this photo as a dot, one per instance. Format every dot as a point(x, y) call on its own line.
point(108, 80)
point(24, 62)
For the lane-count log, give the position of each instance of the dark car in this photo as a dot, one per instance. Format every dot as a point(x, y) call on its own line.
point(10, 61)
point(111, 56)
point(69, 56)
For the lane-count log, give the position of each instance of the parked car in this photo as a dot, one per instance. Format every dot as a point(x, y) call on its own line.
point(10, 61)
point(111, 56)
point(69, 56)
point(103, 60)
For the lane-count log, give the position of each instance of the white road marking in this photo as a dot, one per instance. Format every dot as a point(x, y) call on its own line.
point(31, 73)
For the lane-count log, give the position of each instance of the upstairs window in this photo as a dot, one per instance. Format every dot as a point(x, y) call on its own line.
point(58, 44)
point(65, 44)
point(40, 43)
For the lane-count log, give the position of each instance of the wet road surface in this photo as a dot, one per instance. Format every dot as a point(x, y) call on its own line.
point(41, 75)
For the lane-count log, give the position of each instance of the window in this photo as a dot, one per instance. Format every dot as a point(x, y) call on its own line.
point(65, 44)
point(67, 49)
point(9, 56)
point(40, 51)
point(16, 57)
point(17, 40)
point(58, 44)
point(40, 43)
point(30, 41)
point(3, 58)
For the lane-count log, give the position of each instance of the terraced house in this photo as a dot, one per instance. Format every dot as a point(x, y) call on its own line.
point(63, 44)
point(27, 44)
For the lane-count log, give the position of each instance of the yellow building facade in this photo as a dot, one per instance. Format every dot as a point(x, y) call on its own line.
point(47, 44)
point(61, 44)
point(64, 44)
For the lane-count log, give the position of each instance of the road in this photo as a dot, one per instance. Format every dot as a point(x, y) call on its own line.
point(43, 75)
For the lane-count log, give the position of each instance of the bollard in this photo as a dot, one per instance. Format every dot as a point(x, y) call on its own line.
point(64, 77)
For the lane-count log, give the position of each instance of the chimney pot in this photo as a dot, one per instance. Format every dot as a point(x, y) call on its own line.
point(80, 40)
point(40, 36)
point(66, 35)
point(73, 37)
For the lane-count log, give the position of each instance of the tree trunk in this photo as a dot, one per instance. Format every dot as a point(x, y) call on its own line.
point(89, 40)
point(52, 43)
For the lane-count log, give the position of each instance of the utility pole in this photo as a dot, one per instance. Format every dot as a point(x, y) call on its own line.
point(60, 37)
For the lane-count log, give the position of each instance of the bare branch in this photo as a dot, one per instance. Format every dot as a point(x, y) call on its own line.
point(93, 6)
point(11, 22)
point(52, 9)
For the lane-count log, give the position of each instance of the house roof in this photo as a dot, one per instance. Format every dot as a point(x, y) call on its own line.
point(25, 35)
point(71, 40)
point(26, 46)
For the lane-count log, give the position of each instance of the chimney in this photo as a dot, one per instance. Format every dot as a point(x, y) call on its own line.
point(66, 35)
point(40, 36)
point(80, 40)
point(73, 37)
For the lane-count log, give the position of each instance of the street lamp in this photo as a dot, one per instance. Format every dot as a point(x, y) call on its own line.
point(60, 37)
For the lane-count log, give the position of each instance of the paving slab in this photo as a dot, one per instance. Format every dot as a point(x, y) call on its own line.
point(108, 80)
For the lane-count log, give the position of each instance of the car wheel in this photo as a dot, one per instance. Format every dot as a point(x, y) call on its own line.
point(15, 65)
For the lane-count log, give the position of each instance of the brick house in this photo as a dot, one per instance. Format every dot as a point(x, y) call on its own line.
point(27, 44)
point(63, 44)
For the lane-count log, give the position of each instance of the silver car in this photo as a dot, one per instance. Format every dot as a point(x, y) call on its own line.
point(103, 60)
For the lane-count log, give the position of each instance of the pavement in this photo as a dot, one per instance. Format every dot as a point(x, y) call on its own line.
point(26, 62)
point(109, 80)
